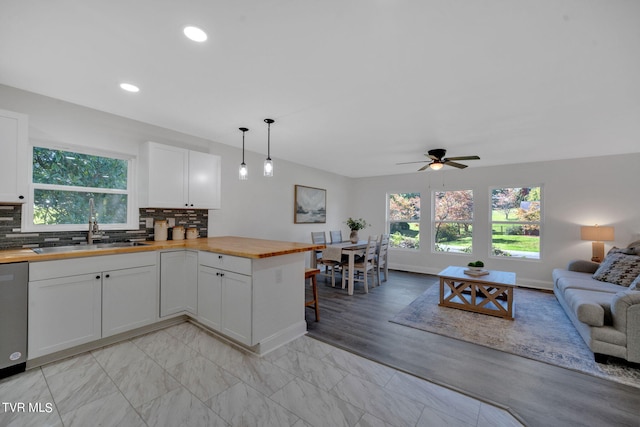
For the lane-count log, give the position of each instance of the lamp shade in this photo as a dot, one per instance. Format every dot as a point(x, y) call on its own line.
point(595, 233)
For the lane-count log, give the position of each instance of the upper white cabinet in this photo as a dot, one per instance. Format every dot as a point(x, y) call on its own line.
point(173, 177)
point(13, 162)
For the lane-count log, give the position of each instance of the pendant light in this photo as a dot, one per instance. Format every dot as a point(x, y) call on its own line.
point(243, 172)
point(268, 164)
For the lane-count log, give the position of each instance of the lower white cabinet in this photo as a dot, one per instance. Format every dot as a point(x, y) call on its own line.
point(64, 312)
point(236, 306)
point(225, 301)
point(73, 301)
point(209, 297)
point(178, 282)
point(256, 302)
point(128, 299)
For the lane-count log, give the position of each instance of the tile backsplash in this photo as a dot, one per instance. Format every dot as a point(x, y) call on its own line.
point(12, 237)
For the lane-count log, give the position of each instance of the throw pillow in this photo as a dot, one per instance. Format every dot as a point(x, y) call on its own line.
point(635, 285)
point(618, 268)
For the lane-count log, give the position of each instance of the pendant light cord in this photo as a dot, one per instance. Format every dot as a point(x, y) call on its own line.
point(268, 141)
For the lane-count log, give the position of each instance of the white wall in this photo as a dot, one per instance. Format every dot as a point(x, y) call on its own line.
point(260, 207)
point(576, 192)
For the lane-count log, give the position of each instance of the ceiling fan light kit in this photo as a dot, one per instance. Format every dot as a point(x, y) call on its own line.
point(438, 161)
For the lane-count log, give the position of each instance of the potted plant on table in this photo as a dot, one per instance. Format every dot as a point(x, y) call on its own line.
point(355, 225)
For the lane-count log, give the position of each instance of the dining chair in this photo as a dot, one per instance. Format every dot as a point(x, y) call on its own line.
point(330, 266)
point(336, 236)
point(365, 266)
point(382, 253)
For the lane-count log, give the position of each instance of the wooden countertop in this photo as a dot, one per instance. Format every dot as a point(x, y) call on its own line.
point(229, 245)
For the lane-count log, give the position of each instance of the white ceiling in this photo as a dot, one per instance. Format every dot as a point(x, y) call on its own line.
point(355, 86)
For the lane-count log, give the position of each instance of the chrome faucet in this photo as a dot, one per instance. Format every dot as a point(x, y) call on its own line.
point(94, 230)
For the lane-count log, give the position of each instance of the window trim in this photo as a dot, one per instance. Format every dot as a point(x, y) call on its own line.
point(388, 220)
point(434, 220)
point(131, 191)
point(539, 223)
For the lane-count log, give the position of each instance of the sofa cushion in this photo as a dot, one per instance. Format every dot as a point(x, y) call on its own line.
point(618, 268)
point(583, 266)
point(635, 285)
point(590, 307)
point(564, 279)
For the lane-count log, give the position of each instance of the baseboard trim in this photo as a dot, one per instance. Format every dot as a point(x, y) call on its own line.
point(524, 282)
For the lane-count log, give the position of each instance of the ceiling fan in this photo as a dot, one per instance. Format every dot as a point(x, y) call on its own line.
point(437, 161)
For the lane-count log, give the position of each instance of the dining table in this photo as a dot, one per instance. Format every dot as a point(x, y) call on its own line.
point(334, 252)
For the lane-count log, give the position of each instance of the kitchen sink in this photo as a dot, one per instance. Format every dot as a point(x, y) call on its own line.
point(94, 247)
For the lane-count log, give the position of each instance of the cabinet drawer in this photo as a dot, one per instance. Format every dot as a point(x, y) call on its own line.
point(41, 270)
point(226, 262)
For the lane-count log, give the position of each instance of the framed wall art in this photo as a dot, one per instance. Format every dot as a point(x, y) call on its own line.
point(310, 205)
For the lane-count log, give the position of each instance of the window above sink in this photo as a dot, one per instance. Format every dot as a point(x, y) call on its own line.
point(63, 180)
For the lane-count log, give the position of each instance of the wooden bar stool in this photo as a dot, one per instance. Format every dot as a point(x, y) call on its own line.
point(310, 273)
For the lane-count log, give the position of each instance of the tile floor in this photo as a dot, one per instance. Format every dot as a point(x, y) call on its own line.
point(183, 376)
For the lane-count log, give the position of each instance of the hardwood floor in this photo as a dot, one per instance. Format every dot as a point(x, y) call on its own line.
point(537, 393)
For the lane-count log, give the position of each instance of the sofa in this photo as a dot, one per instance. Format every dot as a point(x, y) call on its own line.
point(603, 302)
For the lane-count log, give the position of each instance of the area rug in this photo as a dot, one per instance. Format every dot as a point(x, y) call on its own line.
point(541, 331)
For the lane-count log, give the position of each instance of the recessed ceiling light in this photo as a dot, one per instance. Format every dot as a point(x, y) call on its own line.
point(195, 34)
point(129, 87)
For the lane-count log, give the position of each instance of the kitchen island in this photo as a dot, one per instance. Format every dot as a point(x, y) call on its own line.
point(249, 291)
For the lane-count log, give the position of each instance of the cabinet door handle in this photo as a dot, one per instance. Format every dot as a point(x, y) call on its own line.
point(98, 276)
point(20, 197)
point(221, 274)
point(107, 276)
point(219, 256)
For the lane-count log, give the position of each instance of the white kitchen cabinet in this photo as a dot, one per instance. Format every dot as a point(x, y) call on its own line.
point(76, 301)
point(257, 302)
point(178, 282)
point(128, 299)
point(225, 296)
point(173, 177)
point(236, 299)
point(64, 312)
point(209, 297)
point(13, 162)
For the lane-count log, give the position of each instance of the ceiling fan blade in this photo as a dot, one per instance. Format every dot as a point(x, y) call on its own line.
point(455, 165)
point(433, 157)
point(408, 163)
point(463, 158)
point(424, 167)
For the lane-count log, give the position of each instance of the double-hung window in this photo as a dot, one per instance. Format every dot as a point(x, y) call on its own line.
point(403, 220)
point(453, 221)
point(516, 222)
point(63, 182)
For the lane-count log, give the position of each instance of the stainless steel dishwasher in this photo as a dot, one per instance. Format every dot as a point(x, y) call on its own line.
point(14, 285)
